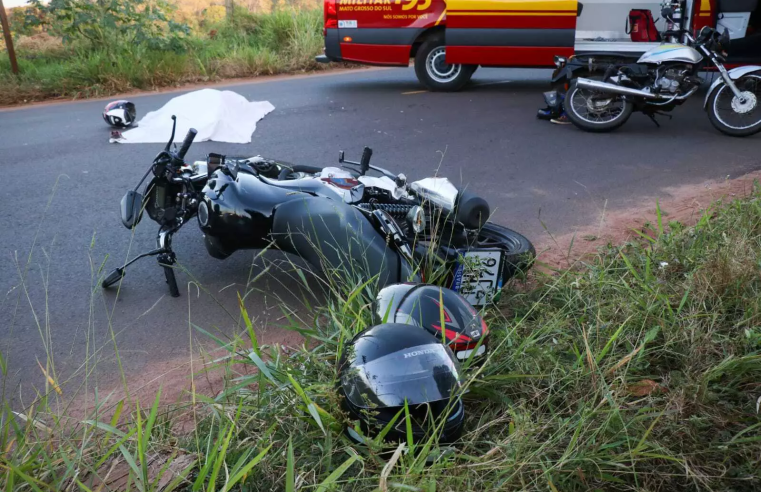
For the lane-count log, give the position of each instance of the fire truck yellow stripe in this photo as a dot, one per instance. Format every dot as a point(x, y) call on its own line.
point(438, 21)
point(513, 5)
point(548, 14)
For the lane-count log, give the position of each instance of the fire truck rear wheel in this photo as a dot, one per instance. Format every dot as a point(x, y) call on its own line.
point(433, 71)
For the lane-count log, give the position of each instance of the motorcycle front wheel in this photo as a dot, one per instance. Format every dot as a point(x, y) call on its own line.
point(737, 117)
point(595, 111)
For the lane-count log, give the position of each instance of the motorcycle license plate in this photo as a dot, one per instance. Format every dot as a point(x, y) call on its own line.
point(478, 276)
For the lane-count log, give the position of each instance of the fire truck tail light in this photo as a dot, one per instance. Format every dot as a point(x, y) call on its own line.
point(331, 16)
point(347, 39)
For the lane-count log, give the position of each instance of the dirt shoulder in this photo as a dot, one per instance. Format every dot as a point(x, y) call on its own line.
point(685, 204)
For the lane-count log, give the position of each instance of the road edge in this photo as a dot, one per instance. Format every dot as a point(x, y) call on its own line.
point(234, 82)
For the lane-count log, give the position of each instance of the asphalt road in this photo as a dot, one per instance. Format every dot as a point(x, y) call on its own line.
point(62, 182)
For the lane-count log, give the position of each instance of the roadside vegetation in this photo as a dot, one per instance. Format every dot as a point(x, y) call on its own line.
point(84, 48)
point(637, 369)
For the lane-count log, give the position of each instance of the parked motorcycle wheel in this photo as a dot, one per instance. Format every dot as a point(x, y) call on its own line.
point(595, 111)
point(733, 116)
point(519, 252)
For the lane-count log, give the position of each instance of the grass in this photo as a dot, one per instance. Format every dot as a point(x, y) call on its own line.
point(638, 369)
point(283, 41)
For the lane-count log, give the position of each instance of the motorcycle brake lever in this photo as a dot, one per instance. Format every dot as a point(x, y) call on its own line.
point(384, 172)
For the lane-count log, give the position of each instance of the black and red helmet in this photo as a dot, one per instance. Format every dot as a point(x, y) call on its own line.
point(120, 114)
point(428, 306)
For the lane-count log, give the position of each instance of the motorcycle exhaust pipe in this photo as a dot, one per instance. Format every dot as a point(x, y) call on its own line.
point(617, 89)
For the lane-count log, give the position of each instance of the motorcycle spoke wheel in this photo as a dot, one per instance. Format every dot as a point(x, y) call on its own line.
point(597, 108)
point(735, 113)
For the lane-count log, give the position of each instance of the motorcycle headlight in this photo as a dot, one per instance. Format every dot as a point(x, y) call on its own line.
point(203, 214)
point(560, 61)
point(416, 219)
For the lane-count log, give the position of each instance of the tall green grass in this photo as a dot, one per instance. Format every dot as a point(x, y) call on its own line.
point(255, 44)
point(639, 369)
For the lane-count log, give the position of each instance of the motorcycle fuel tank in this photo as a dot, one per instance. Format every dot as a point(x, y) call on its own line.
point(671, 53)
point(238, 212)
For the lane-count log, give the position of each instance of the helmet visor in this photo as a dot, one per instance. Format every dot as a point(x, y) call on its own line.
point(421, 374)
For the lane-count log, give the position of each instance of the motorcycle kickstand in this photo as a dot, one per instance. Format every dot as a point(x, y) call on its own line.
point(653, 114)
point(167, 259)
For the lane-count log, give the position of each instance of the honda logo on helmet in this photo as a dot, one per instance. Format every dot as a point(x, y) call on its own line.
point(417, 353)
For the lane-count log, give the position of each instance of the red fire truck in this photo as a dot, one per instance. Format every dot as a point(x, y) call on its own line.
point(449, 39)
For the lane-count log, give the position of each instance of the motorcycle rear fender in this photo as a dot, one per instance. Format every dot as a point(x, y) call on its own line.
point(565, 74)
point(332, 235)
point(734, 74)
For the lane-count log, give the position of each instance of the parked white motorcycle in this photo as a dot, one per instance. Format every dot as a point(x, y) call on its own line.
point(662, 79)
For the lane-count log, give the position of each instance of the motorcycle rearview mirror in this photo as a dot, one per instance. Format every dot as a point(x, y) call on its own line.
point(131, 208)
point(668, 14)
point(342, 160)
point(364, 163)
point(171, 139)
point(725, 39)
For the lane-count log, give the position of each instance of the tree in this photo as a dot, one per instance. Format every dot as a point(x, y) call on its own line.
point(107, 23)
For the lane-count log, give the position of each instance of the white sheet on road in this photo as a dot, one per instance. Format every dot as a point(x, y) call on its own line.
point(221, 116)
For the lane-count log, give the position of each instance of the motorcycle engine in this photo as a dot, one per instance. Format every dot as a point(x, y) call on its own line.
point(671, 79)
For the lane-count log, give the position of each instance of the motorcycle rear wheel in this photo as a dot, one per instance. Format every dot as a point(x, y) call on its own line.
point(594, 111)
point(519, 252)
point(733, 117)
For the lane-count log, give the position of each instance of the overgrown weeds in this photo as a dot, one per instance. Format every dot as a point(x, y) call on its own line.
point(637, 370)
point(284, 41)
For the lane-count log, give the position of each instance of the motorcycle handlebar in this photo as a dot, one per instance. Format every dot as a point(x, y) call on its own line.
point(187, 143)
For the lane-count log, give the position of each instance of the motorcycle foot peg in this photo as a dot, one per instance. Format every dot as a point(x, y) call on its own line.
point(113, 277)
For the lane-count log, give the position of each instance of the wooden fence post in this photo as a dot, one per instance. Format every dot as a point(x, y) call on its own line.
point(8, 38)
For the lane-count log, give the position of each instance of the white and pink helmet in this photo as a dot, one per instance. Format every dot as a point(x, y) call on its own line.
point(120, 114)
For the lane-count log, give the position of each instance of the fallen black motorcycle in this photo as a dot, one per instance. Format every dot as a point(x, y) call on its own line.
point(336, 218)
